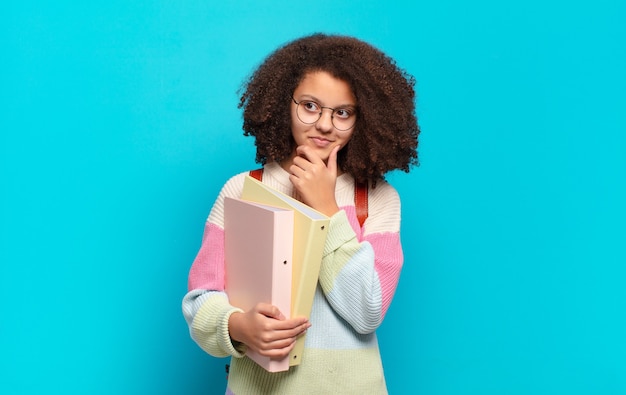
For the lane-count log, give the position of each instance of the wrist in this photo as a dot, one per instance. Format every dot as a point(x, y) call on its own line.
point(234, 323)
point(330, 213)
point(329, 210)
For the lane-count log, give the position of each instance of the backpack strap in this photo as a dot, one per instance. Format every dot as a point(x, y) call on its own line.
point(257, 173)
point(360, 196)
point(360, 201)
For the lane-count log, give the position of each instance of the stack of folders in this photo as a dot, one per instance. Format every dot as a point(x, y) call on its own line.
point(274, 247)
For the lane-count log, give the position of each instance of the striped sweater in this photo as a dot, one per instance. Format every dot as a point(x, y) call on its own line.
point(359, 273)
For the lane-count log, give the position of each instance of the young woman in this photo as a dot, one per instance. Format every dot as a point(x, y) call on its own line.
point(326, 112)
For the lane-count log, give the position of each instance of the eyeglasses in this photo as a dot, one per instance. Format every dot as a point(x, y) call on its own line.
point(310, 112)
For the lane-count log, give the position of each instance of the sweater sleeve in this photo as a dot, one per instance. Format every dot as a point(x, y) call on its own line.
point(205, 306)
point(207, 315)
point(359, 275)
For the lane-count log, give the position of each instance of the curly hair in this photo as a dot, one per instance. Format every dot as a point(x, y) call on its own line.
point(386, 132)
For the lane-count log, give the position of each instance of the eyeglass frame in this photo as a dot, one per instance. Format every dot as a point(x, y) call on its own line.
point(332, 115)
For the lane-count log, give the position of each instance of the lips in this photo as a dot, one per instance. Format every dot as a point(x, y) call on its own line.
point(320, 142)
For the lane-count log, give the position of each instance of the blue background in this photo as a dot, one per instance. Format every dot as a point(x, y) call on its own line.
point(119, 125)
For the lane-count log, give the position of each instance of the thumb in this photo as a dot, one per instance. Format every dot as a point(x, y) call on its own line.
point(270, 311)
point(332, 159)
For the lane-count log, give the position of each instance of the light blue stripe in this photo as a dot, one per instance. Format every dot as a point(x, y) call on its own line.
point(362, 310)
point(330, 331)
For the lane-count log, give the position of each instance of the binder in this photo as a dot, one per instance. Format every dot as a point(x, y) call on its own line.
point(310, 230)
point(258, 242)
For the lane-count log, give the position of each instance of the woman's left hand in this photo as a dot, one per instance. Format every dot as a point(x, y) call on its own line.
point(315, 180)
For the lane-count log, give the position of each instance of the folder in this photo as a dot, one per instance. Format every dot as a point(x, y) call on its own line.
point(258, 242)
point(310, 230)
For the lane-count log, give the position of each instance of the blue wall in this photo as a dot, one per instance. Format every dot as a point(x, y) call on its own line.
point(119, 125)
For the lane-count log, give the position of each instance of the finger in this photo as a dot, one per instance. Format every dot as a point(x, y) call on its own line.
point(279, 339)
point(292, 327)
point(332, 159)
point(300, 163)
point(278, 349)
point(307, 153)
point(270, 311)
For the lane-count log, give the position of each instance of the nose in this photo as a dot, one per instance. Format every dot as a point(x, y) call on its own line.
point(325, 123)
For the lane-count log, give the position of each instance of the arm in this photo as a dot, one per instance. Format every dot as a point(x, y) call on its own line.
point(205, 306)
point(207, 314)
point(359, 277)
point(218, 327)
point(222, 330)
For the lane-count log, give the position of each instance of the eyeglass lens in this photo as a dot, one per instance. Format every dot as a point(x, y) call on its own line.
point(310, 112)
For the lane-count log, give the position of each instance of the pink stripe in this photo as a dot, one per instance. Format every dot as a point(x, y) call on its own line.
point(388, 257)
point(352, 219)
point(207, 271)
point(388, 264)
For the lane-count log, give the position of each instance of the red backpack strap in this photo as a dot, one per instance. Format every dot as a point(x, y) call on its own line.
point(360, 201)
point(360, 196)
point(257, 173)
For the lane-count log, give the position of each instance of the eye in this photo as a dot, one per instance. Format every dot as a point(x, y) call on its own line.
point(343, 113)
point(310, 106)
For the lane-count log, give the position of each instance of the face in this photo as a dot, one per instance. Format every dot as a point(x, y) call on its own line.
point(319, 91)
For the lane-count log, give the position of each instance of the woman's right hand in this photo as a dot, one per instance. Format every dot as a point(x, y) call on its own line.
point(266, 330)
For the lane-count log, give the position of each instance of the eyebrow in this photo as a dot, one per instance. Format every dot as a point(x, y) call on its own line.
point(318, 101)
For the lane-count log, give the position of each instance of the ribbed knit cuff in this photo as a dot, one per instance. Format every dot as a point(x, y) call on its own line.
point(210, 328)
point(339, 232)
point(223, 335)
